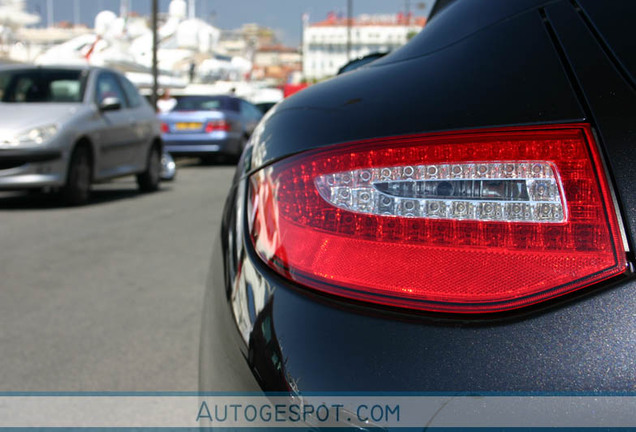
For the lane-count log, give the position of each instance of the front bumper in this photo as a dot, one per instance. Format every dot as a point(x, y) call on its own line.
point(33, 168)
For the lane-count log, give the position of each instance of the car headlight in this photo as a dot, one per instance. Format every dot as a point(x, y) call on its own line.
point(36, 136)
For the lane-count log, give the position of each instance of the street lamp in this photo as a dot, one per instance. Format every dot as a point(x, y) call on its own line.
point(155, 69)
point(49, 13)
point(349, 24)
point(76, 13)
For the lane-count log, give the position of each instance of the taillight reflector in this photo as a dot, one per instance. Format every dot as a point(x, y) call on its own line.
point(473, 222)
point(217, 125)
point(165, 128)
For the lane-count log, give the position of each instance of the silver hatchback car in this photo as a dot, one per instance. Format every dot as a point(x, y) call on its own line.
point(67, 127)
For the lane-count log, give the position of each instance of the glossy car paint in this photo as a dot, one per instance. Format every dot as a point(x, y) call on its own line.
point(480, 64)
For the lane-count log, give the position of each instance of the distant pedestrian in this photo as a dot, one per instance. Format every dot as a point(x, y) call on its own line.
point(166, 102)
point(192, 71)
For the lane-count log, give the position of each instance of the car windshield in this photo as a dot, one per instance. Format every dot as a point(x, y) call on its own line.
point(205, 103)
point(42, 86)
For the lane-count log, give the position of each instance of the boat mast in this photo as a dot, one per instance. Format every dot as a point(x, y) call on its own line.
point(191, 11)
point(49, 13)
point(76, 13)
point(124, 8)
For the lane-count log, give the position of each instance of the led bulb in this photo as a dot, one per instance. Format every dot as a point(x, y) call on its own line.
point(525, 191)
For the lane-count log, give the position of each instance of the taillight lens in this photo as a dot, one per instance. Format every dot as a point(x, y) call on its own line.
point(472, 222)
point(217, 125)
point(165, 128)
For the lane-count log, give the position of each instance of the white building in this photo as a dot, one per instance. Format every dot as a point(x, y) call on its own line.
point(325, 42)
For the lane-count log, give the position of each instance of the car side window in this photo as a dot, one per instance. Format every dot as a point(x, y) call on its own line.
point(26, 89)
point(250, 111)
point(108, 86)
point(132, 95)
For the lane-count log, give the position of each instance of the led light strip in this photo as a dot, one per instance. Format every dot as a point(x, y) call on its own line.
point(495, 191)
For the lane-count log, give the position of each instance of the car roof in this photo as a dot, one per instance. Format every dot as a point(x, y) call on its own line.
point(228, 102)
point(27, 66)
point(217, 96)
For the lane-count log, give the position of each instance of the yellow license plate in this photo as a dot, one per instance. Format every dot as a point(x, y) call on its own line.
point(188, 126)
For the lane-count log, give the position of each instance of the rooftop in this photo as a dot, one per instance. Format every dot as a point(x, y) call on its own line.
point(277, 48)
point(399, 19)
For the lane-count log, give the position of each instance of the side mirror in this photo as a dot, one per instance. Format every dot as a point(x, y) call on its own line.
point(110, 104)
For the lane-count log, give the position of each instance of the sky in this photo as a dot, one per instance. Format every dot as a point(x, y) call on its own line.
point(284, 16)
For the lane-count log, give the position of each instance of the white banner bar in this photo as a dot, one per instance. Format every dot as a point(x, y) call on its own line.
point(321, 411)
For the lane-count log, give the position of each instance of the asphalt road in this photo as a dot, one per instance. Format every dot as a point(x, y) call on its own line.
point(108, 296)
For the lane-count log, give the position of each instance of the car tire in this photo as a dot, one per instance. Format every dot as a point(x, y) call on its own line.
point(77, 189)
point(209, 160)
point(36, 191)
point(148, 180)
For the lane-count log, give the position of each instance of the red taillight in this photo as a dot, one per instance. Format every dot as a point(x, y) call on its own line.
point(217, 125)
point(472, 222)
point(165, 128)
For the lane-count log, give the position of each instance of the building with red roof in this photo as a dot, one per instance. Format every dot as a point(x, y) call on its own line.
point(331, 43)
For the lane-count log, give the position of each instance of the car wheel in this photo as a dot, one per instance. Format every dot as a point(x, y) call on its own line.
point(209, 160)
point(77, 189)
point(35, 191)
point(148, 180)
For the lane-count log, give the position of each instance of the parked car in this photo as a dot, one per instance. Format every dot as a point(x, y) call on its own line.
point(207, 126)
point(457, 217)
point(67, 127)
point(265, 99)
point(265, 106)
point(361, 61)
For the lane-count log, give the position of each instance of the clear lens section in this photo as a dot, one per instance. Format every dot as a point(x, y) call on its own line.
point(497, 191)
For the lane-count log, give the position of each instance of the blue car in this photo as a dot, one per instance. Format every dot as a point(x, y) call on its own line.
point(207, 126)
